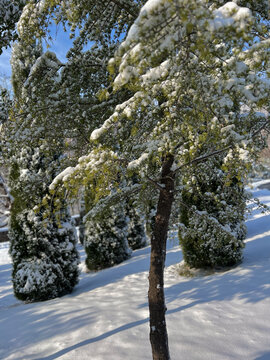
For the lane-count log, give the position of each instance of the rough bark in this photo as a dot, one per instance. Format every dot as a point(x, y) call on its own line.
point(156, 298)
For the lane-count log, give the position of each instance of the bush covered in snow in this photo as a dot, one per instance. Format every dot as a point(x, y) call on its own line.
point(212, 219)
point(106, 240)
point(45, 259)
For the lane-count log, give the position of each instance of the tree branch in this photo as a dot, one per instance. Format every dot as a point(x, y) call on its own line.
point(126, 8)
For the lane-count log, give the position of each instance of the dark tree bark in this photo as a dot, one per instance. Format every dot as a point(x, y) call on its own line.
point(156, 298)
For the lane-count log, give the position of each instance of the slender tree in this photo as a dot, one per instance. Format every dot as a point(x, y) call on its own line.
point(192, 73)
point(187, 68)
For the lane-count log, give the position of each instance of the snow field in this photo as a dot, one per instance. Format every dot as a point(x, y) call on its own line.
point(223, 316)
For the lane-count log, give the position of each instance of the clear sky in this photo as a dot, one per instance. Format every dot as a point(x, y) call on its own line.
point(61, 44)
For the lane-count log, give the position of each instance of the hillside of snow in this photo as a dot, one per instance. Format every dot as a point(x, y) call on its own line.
point(223, 316)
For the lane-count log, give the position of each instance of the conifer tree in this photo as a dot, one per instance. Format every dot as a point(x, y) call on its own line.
point(43, 240)
point(43, 251)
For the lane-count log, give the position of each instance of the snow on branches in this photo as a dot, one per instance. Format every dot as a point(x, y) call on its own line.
point(10, 12)
point(191, 71)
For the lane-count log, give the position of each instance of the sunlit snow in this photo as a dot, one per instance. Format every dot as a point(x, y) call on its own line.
point(222, 316)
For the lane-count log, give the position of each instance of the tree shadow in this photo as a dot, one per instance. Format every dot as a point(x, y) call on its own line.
point(95, 339)
point(249, 282)
point(25, 323)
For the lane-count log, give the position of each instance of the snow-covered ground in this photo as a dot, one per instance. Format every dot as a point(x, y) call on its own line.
point(224, 316)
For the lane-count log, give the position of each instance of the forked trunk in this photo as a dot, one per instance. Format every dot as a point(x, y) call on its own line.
point(156, 298)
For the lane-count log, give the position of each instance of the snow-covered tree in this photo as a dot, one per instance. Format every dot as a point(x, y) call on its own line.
point(187, 68)
point(212, 211)
point(44, 255)
point(43, 250)
point(135, 230)
point(191, 66)
point(5, 196)
point(106, 239)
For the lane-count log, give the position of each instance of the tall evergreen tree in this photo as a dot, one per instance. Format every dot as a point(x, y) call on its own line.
point(44, 255)
point(43, 251)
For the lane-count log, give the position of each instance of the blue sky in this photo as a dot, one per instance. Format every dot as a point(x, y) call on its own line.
point(4, 63)
point(60, 45)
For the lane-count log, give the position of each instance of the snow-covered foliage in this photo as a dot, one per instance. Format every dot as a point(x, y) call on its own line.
point(79, 94)
point(98, 21)
point(44, 255)
point(45, 259)
point(10, 12)
point(188, 69)
point(188, 80)
point(106, 240)
point(212, 211)
point(5, 104)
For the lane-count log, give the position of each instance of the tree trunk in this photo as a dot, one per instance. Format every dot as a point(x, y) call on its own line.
point(156, 298)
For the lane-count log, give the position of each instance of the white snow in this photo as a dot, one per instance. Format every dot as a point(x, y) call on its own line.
point(223, 316)
point(63, 176)
point(227, 14)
